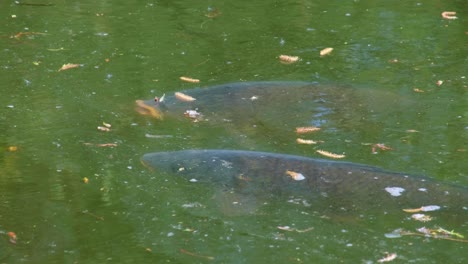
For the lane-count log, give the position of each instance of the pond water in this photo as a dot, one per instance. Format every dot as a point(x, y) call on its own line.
point(70, 199)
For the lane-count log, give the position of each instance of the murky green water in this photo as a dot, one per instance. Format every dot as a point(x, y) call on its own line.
point(130, 50)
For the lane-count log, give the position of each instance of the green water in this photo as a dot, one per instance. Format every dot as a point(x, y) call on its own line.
point(130, 50)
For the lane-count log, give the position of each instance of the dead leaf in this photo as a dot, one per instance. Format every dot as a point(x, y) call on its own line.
point(12, 237)
point(286, 59)
point(188, 79)
point(213, 12)
point(330, 155)
point(421, 217)
point(12, 148)
point(303, 130)
point(297, 176)
point(388, 257)
point(69, 66)
point(449, 15)
point(305, 141)
point(325, 51)
point(184, 97)
point(102, 128)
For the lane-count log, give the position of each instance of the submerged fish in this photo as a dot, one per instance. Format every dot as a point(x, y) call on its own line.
point(341, 185)
point(272, 104)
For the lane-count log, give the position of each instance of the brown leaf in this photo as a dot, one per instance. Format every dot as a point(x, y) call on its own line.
point(330, 155)
point(286, 59)
point(69, 66)
point(325, 51)
point(303, 130)
point(184, 97)
point(449, 15)
point(188, 79)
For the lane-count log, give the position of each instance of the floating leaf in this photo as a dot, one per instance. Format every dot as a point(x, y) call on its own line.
point(421, 217)
point(380, 146)
point(12, 148)
point(286, 59)
point(449, 15)
point(395, 191)
point(184, 97)
point(85, 180)
point(305, 141)
point(213, 12)
point(291, 229)
point(330, 155)
point(102, 128)
point(295, 175)
point(303, 130)
point(188, 79)
point(325, 51)
point(388, 257)
point(69, 66)
point(427, 208)
point(192, 114)
point(12, 237)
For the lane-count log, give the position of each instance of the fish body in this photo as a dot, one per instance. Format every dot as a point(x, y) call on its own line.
point(341, 184)
point(271, 104)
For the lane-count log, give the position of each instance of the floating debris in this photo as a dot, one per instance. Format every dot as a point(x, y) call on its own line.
point(291, 229)
point(188, 79)
point(421, 217)
point(330, 155)
point(85, 180)
point(439, 82)
point(184, 97)
point(158, 136)
point(69, 66)
point(305, 141)
point(286, 59)
point(101, 144)
point(12, 148)
point(192, 114)
point(103, 128)
point(428, 208)
point(388, 257)
point(12, 237)
point(295, 175)
point(303, 130)
point(325, 51)
point(379, 146)
point(449, 15)
point(394, 191)
point(196, 255)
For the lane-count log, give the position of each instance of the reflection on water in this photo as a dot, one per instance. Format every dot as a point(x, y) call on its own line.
point(392, 55)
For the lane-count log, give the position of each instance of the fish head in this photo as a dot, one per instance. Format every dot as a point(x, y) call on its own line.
point(153, 108)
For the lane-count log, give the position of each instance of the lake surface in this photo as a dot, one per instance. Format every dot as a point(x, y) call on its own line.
point(69, 199)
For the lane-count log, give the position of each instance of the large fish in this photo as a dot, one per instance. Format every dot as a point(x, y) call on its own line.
point(341, 185)
point(274, 105)
point(265, 114)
